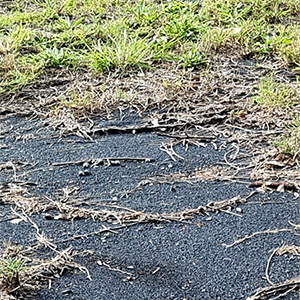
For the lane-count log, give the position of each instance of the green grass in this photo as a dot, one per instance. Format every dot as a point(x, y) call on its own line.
point(121, 53)
point(273, 94)
point(289, 143)
point(10, 271)
point(111, 35)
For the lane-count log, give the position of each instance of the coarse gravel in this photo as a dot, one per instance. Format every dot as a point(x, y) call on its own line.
point(175, 260)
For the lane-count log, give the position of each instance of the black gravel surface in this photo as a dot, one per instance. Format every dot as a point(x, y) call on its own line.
point(152, 260)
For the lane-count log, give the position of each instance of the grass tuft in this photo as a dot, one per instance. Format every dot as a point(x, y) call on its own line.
point(272, 93)
point(10, 271)
point(122, 53)
point(290, 142)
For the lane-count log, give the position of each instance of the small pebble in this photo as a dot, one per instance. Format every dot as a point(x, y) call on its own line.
point(86, 165)
point(238, 209)
point(84, 173)
point(68, 291)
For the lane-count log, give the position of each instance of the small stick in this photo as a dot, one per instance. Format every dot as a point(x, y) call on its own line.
point(101, 161)
point(97, 232)
point(248, 237)
point(101, 263)
point(230, 213)
point(289, 285)
point(268, 266)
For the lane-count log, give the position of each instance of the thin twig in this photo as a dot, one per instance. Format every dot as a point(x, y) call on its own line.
point(268, 266)
point(104, 160)
point(248, 237)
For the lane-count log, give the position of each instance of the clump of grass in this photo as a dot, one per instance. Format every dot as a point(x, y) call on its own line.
point(57, 57)
point(16, 72)
point(78, 101)
point(290, 143)
point(291, 51)
point(14, 40)
point(192, 55)
point(120, 53)
point(272, 93)
point(10, 271)
point(12, 266)
point(193, 58)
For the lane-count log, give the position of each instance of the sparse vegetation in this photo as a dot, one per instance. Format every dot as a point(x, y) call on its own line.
point(10, 271)
point(290, 142)
point(272, 94)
